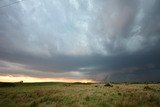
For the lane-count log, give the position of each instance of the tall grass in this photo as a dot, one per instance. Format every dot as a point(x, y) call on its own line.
point(79, 95)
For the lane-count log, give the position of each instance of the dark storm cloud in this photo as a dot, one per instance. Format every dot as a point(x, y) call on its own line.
point(111, 40)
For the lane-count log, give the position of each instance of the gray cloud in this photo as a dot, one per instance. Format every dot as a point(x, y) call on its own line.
point(97, 39)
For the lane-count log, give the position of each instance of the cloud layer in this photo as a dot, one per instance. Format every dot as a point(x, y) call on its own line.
point(104, 40)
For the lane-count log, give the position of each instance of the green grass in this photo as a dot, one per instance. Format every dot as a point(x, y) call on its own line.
point(79, 95)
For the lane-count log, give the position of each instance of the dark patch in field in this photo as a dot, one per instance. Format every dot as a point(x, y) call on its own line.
point(80, 83)
point(7, 84)
point(108, 85)
point(34, 104)
point(148, 88)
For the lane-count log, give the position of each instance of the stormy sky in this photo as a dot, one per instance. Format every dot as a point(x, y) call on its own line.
point(102, 40)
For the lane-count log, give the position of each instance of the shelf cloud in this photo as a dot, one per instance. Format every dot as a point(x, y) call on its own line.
point(101, 40)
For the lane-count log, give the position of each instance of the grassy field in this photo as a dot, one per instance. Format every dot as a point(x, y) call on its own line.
point(79, 95)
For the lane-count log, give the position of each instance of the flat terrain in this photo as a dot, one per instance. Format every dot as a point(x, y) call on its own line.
point(79, 95)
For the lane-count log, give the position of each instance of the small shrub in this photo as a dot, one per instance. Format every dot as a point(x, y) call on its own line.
point(119, 94)
point(87, 98)
point(131, 94)
point(34, 104)
point(147, 88)
point(67, 85)
point(108, 85)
